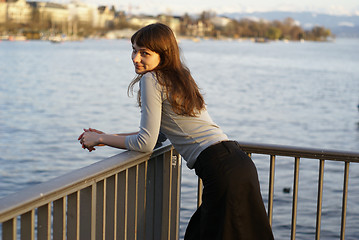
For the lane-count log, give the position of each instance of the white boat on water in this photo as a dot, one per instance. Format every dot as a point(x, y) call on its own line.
point(55, 39)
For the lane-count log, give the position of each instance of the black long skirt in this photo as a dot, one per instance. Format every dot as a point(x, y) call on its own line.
point(232, 205)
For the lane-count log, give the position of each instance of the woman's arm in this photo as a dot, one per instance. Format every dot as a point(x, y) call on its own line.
point(144, 140)
point(93, 137)
point(151, 112)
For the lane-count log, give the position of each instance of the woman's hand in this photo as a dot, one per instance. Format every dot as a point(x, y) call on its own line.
point(90, 138)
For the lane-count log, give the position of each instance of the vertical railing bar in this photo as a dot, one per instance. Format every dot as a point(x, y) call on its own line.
point(345, 198)
point(99, 208)
point(77, 208)
point(320, 199)
point(44, 222)
point(104, 209)
point(49, 221)
point(115, 208)
point(142, 193)
point(9, 229)
point(78, 215)
point(175, 165)
point(64, 203)
point(136, 200)
point(295, 198)
point(146, 176)
point(110, 206)
point(126, 199)
point(93, 210)
point(59, 218)
point(271, 188)
point(159, 189)
point(178, 194)
point(85, 212)
point(73, 218)
point(121, 208)
point(27, 227)
point(169, 191)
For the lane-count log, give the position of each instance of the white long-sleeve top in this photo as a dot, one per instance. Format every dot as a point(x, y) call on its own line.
point(189, 135)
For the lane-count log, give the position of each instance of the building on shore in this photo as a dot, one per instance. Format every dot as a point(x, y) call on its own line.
point(15, 11)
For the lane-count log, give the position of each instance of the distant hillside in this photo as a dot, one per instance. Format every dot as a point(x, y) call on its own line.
point(340, 25)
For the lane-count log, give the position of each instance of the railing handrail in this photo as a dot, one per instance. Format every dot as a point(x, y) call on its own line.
point(35, 196)
point(302, 152)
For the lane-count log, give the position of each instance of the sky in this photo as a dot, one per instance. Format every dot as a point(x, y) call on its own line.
point(336, 7)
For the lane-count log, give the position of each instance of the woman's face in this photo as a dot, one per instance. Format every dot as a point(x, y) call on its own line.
point(144, 59)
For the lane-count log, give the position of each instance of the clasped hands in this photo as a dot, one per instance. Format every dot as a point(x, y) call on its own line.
point(90, 138)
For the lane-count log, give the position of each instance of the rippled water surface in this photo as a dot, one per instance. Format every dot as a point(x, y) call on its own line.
point(301, 94)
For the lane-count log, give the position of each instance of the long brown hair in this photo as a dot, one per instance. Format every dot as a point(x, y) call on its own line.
point(182, 91)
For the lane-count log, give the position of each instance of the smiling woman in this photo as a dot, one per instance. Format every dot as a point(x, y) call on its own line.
point(258, 102)
point(144, 59)
point(171, 103)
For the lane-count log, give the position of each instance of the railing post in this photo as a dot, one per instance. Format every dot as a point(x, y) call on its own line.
point(271, 188)
point(85, 213)
point(9, 229)
point(132, 203)
point(122, 189)
point(295, 198)
point(59, 220)
point(167, 193)
point(44, 222)
point(73, 213)
point(320, 198)
point(110, 208)
point(345, 198)
point(141, 204)
point(176, 194)
point(27, 225)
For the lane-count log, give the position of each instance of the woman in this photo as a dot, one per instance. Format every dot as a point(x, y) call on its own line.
point(170, 101)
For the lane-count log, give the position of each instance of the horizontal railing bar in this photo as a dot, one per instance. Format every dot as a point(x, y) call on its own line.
point(40, 194)
point(314, 153)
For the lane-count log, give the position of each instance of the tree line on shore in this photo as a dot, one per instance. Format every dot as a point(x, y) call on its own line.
point(287, 29)
point(276, 30)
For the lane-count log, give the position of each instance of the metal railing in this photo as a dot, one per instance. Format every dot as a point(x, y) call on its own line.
point(272, 151)
point(128, 196)
point(137, 196)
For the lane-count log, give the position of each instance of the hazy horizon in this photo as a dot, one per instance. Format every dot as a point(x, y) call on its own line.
point(333, 7)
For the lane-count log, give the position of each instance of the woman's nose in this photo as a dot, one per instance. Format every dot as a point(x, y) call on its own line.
point(136, 57)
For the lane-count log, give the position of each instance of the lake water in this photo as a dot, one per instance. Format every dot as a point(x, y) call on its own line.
point(299, 94)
